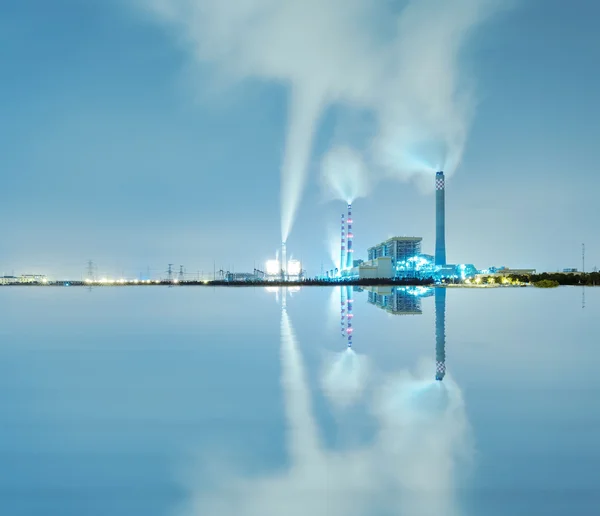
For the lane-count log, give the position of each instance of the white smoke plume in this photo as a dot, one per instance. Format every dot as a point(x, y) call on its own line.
point(397, 60)
point(345, 174)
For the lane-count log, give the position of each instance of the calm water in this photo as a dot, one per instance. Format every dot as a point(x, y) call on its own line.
point(193, 401)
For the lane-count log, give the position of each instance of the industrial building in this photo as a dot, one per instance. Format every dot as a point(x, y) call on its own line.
point(399, 249)
point(23, 279)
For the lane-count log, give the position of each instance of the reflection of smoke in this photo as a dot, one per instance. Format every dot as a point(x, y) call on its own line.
point(345, 377)
point(409, 469)
point(302, 432)
point(424, 427)
point(344, 174)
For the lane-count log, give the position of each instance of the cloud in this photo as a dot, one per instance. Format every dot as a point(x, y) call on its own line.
point(398, 61)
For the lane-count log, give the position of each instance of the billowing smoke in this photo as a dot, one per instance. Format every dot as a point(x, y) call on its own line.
point(398, 61)
point(344, 174)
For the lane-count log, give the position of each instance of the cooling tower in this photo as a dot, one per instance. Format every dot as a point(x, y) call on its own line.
point(440, 333)
point(440, 219)
point(349, 255)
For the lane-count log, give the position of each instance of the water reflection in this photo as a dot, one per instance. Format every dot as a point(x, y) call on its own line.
point(399, 300)
point(440, 333)
point(409, 467)
point(345, 373)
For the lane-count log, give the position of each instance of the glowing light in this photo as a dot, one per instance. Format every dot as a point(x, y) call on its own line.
point(272, 267)
point(294, 268)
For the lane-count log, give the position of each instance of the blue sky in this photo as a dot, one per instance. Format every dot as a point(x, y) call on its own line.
point(117, 146)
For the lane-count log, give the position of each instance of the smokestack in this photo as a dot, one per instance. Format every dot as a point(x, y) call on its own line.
point(343, 245)
point(440, 333)
point(283, 262)
point(349, 255)
point(440, 219)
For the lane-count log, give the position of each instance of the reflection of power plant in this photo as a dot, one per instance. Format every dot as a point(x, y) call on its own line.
point(350, 315)
point(346, 315)
point(407, 301)
point(343, 310)
point(399, 300)
point(440, 333)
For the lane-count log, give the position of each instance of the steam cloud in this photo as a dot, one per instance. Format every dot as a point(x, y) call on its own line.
point(397, 61)
point(344, 174)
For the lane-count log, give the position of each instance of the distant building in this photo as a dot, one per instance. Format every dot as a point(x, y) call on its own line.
point(33, 278)
point(505, 271)
point(24, 278)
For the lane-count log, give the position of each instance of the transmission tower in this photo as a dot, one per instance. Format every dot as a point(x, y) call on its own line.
point(583, 258)
point(90, 270)
point(170, 272)
point(181, 275)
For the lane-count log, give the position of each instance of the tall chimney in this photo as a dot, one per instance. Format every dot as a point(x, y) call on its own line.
point(349, 255)
point(440, 219)
point(343, 246)
point(283, 262)
point(440, 333)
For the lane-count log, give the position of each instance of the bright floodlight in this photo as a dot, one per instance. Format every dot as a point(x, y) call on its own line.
point(293, 268)
point(272, 267)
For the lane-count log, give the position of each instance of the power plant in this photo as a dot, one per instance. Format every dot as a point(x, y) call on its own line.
point(401, 257)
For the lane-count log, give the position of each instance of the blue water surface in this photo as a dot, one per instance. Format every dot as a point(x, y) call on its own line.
point(246, 401)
